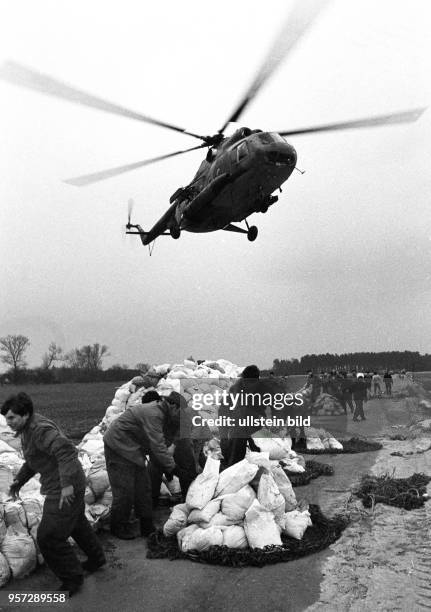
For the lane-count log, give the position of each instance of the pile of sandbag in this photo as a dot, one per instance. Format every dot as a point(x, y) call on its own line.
point(248, 505)
point(320, 439)
point(19, 519)
point(327, 405)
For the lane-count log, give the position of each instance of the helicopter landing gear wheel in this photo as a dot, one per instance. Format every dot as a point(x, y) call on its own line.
point(252, 233)
point(175, 232)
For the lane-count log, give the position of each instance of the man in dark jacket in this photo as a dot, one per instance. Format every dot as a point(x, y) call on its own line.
point(247, 390)
point(136, 433)
point(47, 451)
point(360, 396)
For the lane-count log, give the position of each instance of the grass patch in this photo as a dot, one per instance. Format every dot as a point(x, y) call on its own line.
point(75, 407)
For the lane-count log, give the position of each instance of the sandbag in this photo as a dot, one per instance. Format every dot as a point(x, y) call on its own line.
point(269, 496)
point(12, 462)
point(202, 489)
point(202, 539)
point(173, 486)
point(335, 444)
point(3, 528)
point(184, 537)
point(277, 448)
point(285, 487)
point(292, 465)
point(260, 527)
point(20, 552)
point(33, 533)
point(5, 447)
point(259, 458)
point(235, 477)
point(98, 480)
point(14, 516)
point(235, 505)
point(234, 537)
point(177, 520)
point(106, 499)
point(33, 511)
point(295, 523)
point(30, 489)
point(207, 512)
point(314, 444)
point(4, 570)
point(219, 520)
point(6, 479)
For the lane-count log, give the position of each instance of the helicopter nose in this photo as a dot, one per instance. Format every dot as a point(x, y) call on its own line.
point(282, 154)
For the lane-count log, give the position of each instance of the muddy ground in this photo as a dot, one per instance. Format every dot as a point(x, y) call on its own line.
point(381, 562)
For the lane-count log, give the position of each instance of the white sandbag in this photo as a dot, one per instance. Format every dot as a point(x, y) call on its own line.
point(219, 520)
point(33, 509)
point(173, 486)
point(285, 487)
point(202, 489)
point(4, 570)
point(8, 436)
point(106, 499)
point(12, 461)
point(14, 516)
point(335, 444)
point(260, 527)
point(3, 528)
point(6, 479)
point(122, 394)
point(277, 448)
point(295, 523)
point(202, 539)
point(5, 447)
point(314, 444)
point(30, 489)
point(259, 458)
point(235, 477)
point(93, 446)
point(98, 480)
point(184, 537)
point(235, 505)
point(206, 514)
point(293, 465)
point(234, 537)
point(162, 368)
point(177, 520)
point(269, 496)
point(20, 552)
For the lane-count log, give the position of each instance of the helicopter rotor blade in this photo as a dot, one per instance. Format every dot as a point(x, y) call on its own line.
point(299, 20)
point(88, 179)
point(20, 75)
point(402, 117)
point(130, 205)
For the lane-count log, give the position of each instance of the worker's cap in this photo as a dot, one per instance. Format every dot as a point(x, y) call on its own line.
point(359, 375)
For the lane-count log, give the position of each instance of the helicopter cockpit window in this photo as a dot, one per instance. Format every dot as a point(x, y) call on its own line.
point(241, 151)
point(266, 138)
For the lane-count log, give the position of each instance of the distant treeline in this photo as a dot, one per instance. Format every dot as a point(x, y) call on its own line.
point(53, 375)
point(385, 360)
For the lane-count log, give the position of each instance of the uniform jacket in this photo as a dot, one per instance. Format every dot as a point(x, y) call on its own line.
point(140, 431)
point(360, 390)
point(49, 452)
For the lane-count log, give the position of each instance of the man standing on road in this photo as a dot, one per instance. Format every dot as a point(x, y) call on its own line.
point(47, 451)
point(388, 383)
point(377, 385)
point(360, 396)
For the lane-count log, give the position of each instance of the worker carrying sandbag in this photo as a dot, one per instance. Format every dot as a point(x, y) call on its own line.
point(136, 433)
point(48, 451)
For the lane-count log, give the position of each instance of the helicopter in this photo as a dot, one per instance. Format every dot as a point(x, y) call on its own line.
point(241, 172)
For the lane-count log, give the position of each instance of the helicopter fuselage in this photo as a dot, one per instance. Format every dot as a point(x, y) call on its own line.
point(234, 181)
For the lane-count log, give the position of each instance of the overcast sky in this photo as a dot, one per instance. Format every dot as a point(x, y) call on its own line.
point(342, 262)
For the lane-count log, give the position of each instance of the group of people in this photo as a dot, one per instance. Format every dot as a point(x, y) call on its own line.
point(350, 388)
point(139, 450)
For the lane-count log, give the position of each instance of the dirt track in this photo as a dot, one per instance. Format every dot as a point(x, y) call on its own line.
point(382, 562)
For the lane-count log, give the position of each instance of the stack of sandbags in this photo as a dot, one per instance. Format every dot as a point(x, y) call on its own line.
point(320, 439)
point(236, 509)
point(327, 405)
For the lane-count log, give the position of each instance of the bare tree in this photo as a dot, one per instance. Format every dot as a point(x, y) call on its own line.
point(142, 367)
point(88, 357)
point(54, 353)
point(12, 349)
